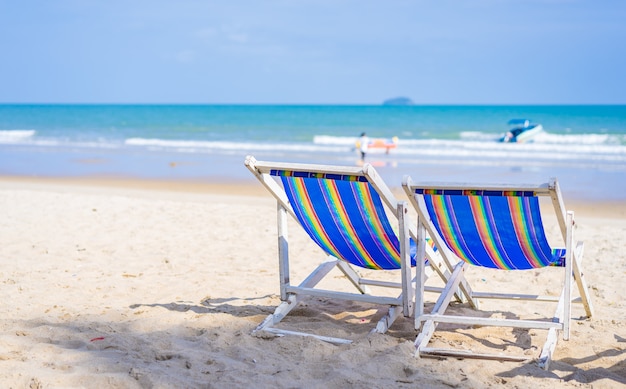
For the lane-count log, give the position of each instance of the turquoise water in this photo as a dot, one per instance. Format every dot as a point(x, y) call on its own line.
point(584, 146)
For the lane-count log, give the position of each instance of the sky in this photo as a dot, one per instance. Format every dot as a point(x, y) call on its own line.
point(313, 51)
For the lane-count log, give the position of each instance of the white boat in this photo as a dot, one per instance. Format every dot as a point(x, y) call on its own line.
point(522, 130)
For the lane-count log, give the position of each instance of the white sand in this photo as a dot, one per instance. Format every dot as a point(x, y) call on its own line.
point(113, 286)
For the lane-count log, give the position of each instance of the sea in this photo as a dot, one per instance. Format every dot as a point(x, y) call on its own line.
point(583, 146)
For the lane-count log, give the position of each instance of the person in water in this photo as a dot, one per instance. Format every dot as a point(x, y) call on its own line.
point(363, 145)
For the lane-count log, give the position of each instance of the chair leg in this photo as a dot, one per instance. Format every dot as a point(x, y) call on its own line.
point(352, 275)
point(580, 279)
point(553, 333)
point(280, 312)
point(313, 279)
point(386, 321)
point(428, 328)
point(548, 349)
point(408, 297)
point(292, 300)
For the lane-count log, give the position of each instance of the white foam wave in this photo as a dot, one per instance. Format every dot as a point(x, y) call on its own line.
point(586, 139)
point(15, 136)
point(480, 136)
point(589, 152)
point(494, 152)
point(476, 142)
point(334, 140)
point(550, 148)
point(547, 137)
point(199, 146)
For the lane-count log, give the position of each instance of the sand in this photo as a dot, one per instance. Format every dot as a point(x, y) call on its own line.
point(124, 284)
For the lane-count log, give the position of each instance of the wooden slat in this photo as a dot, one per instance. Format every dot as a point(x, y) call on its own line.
point(579, 277)
point(365, 298)
point(328, 339)
point(428, 328)
point(283, 250)
point(559, 206)
point(352, 276)
point(266, 167)
point(318, 274)
point(567, 281)
point(420, 277)
point(279, 313)
point(487, 321)
point(548, 349)
point(539, 189)
point(441, 352)
point(384, 284)
point(448, 291)
point(513, 296)
point(408, 299)
point(386, 321)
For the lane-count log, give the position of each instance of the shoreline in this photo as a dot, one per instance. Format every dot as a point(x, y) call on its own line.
point(238, 187)
point(585, 208)
point(584, 184)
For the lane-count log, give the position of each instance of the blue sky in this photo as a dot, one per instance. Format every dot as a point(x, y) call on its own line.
point(313, 51)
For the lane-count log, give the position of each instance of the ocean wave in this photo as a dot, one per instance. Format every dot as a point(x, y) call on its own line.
point(590, 151)
point(493, 138)
point(334, 140)
point(198, 145)
point(14, 136)
point(550, 138)
point(480, 136)
point(407, 149)
point(473, 142)
point(519, 153)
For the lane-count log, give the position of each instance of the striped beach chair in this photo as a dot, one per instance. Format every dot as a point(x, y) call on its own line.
point(354, 218)
point(497, 227)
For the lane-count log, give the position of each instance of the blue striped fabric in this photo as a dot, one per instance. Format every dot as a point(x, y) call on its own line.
point(346, 218)
point(503, 232)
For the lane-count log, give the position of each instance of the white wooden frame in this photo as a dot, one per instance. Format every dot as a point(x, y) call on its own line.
point(427, 323)
point(291, 294)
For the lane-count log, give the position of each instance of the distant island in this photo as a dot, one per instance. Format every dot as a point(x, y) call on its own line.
point(398, 101)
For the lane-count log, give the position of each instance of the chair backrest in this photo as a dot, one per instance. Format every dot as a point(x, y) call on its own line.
point(491, 228)
point(344, 215)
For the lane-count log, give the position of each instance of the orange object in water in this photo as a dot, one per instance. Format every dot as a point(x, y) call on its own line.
point(380, 143)
point(384, 143)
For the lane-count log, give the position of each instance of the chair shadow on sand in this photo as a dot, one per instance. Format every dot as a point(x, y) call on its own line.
point(616, 373)
point(361, 315)
point(118, 354)
point(519, 337)
point(214, 305)
point(317, 310)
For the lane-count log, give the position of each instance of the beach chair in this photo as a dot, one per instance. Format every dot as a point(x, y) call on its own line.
point(498, 227)
point(350, 214)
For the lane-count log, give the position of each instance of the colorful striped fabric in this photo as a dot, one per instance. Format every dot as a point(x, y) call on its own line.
point(500, 230)
point(344, 215)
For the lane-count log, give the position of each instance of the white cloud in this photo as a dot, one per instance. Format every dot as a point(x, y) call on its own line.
point(185, 56)
point(239, 38)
